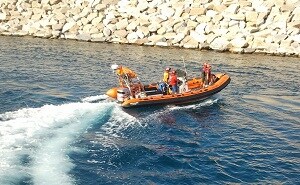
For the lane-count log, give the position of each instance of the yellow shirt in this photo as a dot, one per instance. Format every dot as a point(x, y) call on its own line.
point(166, 76)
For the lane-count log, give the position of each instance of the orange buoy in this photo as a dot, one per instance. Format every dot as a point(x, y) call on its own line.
point(112, 92)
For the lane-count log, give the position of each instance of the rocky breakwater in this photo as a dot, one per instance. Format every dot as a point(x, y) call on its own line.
point(242, 26)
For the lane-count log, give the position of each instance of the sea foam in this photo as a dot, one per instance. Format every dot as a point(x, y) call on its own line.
point(35, 142)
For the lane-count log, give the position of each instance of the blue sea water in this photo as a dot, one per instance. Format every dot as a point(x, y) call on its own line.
point(57, 127)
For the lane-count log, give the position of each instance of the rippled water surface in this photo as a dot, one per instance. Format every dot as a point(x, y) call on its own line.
point(248, 133)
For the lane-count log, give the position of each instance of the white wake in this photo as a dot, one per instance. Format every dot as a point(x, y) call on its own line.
point(96, 98)
point(207, 102)
point(35, 142)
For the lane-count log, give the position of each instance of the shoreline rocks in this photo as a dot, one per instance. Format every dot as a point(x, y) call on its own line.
point(238, 26)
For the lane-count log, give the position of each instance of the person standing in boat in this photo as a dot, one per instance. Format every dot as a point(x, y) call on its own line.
point(206, 73)
point(173, 82)
point(166, 75)
point(203, 75)
point(128, 79)
point(125, 74)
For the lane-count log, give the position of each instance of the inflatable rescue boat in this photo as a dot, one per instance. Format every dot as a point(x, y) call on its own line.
point(190, 90)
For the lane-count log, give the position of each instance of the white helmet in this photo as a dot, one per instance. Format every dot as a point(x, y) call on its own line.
point(115, 66)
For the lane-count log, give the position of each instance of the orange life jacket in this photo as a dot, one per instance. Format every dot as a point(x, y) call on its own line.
point(173, 79)
point(124, 71)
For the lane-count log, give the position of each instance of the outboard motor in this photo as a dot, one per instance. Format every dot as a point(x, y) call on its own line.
point(122, 94)
point(182, 86)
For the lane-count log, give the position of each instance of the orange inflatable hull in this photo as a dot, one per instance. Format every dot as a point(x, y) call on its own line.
point(112, 92)
point(196, 93)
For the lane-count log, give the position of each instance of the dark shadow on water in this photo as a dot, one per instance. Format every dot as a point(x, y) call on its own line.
point(140, 112)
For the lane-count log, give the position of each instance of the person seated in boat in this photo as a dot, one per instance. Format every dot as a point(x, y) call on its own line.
point(125, 74)
point(166, 75)
point(173, 82)
point(135, 90)
point(212, 79)
point(163, 88)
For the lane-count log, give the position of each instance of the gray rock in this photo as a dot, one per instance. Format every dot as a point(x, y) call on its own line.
point(20, 33)
point(211, 37)
point(191, 44)
point(97, 20)
point(236, 50)
point(178, 38)
point(100, 7)
point(200, 28)
point(239, 42)
point(68, 26)
point(232, 9)
point(154, 27)
point(211, 13)
point(132, 26)
point(132, 37)
point(106, 32)
point(57, 27)
point(71, 36)
point(170, 35)
point(296, 38)
point(249, 50)
point(163, 44)
point(86, 28)
point(91, 16)
point(43, 34)
point(120, 33)
point(259, 43)
point(142, 5)
point(167, 12)
point(219, 44)
point(119, 40)
point(122, 24)
point(192, 24)
point(141, 41)
point(143, 30)
point(161, 31)
point(2, 16)
point(197, 11)
point(55, 34)
point(83, 37)
point(262, 26)
point(238, 17)
point(201, 38)
point(98, 37)
point(143, 22)
point(156, 38)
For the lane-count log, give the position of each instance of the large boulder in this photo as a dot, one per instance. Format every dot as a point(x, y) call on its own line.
point(2, 16)
point(239, 42)
point(191, 44)
point(156, 38)
point(201, 38)
point(167, 12)
point(68, 26)
point(219, 44)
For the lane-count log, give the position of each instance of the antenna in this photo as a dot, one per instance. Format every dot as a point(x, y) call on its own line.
point(184, 65)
